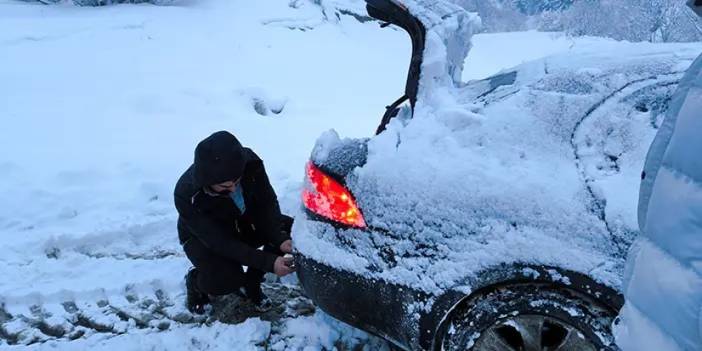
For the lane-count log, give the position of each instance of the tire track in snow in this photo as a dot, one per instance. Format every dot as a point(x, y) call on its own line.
point(74, 287)
point(153, 311)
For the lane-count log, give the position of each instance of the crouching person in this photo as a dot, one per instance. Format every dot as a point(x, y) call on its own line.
point(227, 211)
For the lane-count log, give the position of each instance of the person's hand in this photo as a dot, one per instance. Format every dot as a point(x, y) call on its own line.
point(286, 246)
point(283, 266)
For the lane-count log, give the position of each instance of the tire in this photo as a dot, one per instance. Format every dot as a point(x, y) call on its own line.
point(529, 317)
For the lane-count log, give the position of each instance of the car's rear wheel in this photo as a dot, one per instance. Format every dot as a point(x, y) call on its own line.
point(530, 317)
point(533, 332)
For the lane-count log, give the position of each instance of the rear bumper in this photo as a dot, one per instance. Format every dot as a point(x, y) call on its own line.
point(372, 305)
point(403, 313)
point(410, 318)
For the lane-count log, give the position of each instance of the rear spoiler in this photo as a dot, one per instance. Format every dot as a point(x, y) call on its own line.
point(696, 5)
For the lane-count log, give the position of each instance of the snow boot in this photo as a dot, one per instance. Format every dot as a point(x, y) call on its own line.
point(253, 292)
point(196, 299)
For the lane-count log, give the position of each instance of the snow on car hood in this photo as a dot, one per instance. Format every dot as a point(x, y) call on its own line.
point(484, 174)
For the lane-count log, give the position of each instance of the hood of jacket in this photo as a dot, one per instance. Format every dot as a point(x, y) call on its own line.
point(219, 158)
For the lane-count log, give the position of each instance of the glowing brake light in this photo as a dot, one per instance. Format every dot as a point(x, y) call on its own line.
point(329, 199)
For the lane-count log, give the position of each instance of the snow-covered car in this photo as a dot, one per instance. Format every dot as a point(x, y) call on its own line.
point(493, 214)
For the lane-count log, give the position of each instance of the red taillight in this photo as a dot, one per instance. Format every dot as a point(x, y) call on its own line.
point(327, 198)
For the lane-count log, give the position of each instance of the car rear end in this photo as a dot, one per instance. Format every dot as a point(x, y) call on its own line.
point(402, 227)
point(331, 269)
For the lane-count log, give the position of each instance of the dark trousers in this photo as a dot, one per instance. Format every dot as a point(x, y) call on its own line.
point(219, 275)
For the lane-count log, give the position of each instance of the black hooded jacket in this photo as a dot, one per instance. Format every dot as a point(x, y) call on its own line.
point(215, 220)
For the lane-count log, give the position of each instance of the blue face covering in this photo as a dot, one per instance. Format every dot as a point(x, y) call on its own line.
point(238, 197)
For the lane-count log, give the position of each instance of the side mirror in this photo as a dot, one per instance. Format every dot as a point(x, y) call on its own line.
point(695, 5)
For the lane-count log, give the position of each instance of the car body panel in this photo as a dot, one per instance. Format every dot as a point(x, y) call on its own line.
point(411, 318)
point(439, 258)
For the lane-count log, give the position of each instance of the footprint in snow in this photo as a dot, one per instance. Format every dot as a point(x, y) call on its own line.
point(268, 107)
point(263, 104)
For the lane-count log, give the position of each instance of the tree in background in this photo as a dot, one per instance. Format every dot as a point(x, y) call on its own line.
point(672, 20)
point(621, 20)
point(531, 7)
point(497, 15)
point(633, 20)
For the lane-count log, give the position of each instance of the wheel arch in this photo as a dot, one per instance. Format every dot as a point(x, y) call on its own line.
point(435, 323)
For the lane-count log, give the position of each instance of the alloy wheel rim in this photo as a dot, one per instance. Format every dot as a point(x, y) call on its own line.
point(533, 333)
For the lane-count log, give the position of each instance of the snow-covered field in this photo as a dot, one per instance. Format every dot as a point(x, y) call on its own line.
point(100, 111)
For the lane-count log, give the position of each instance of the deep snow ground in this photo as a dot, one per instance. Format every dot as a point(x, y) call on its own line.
point(100, 110)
